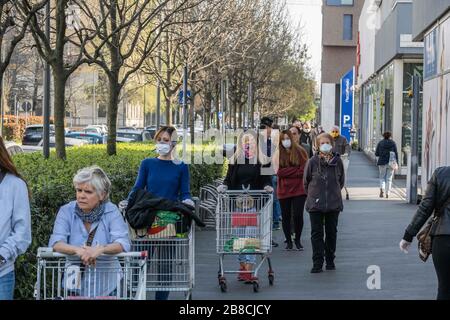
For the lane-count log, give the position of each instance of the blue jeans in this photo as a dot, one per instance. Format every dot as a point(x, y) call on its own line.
point(386, 175)
point(276, 203)
point(7, 286)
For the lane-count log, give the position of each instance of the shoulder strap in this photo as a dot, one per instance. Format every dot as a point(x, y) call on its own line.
point(2, 175)
point(91, 237)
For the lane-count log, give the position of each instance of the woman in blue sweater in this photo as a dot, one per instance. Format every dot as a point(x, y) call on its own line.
point(15, 221)
point(165, 177)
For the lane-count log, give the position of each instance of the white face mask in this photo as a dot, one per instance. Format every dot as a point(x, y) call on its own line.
point(326, 148)
point(163, 149)
point(307, 130)
point(286, 143)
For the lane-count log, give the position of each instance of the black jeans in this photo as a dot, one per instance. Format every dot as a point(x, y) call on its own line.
point(323, 248)
point(292, 207)
point(441, 261)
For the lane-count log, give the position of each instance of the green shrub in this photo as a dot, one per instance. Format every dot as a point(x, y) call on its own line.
point(50, 182)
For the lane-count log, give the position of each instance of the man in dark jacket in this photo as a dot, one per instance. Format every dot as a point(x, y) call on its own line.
point(308, 138)
point(383, 151)
point(437, 199)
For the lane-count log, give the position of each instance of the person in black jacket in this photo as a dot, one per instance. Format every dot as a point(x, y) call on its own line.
point(324, 179)
point(245, 172)
point(437, 198)
point(383, 151)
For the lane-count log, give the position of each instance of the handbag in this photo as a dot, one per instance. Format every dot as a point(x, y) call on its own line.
point(393, 161)
point(425, 240)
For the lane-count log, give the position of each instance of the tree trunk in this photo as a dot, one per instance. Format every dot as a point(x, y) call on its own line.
point(59, 83)
point(192, 115)
point(113, 106)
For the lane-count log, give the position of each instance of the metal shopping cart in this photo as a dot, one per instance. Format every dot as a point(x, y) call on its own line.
point(244, 226)
point(63, 277)
point(170, 264)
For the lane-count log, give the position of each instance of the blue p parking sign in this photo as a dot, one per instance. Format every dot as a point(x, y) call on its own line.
point(347, 103)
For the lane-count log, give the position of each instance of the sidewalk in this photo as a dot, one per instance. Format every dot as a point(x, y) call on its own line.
point(370, 229)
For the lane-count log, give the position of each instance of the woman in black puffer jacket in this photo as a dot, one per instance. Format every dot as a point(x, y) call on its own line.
point(383, 152)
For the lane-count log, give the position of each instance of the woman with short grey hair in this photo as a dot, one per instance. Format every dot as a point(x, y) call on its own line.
point(91, 226)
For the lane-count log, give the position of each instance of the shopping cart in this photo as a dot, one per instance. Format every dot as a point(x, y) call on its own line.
point(63, 277)
point(244, 226)
point(170, 264)
point(346, 161)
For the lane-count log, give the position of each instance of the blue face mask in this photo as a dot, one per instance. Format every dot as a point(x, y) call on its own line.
point(326, 148)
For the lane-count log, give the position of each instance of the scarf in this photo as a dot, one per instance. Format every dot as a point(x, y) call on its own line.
point(93, 216)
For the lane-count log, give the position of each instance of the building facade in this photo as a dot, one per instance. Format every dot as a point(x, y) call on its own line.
point(388, 59)
point(431, 20)
point(339, 40)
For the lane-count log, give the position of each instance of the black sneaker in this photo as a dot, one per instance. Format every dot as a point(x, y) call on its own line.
point(289, 246)
point(330, 267)
point(298, 245)
point(316, 269)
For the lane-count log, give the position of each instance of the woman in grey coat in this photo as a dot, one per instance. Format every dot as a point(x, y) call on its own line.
point(324, 179)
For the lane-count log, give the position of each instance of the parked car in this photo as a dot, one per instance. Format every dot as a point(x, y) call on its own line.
point(34, 133)
point(13, 148)
point(69, 142)
point(97, 128)
point(152, 130)
point(135, 135)
point(91, 138)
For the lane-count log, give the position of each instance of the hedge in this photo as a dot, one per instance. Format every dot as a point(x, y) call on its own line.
point(50, 182)
point(14, 127)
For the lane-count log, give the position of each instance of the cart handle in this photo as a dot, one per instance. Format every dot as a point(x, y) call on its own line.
point(45, 252)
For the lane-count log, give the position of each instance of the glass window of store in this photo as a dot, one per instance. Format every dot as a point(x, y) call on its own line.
point(410, 70)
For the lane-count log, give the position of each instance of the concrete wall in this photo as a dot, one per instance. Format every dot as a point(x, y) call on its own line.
point(367, 27)
point(396, 27)
point(333, 22)
point(328, 105)
point(336, 61)
point(425, 13)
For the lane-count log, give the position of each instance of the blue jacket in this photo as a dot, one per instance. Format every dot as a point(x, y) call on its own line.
point(383, 150)
point(15, 221)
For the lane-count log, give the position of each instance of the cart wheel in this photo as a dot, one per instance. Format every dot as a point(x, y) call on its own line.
point(255, 286)
point(271, 279)
point(223, 286)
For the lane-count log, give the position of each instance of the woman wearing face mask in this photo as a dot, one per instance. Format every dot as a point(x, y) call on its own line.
point(245, 171)
point(323, 180)
point(290, 165)
point(165, 177)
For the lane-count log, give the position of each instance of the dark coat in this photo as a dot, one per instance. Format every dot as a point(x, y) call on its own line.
point(232, 180)
point(436, 196)
point(383, 151)
point(143, 206)
point(323, 183)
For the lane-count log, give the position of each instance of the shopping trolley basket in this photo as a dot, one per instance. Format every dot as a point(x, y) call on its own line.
point(244, 226)
point(60, 276)
point(170, 264)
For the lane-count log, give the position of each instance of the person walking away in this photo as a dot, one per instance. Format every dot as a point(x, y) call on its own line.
point(387, 164)
point(323, 180)
point(15, 221)
point(165, 177)
point(290, 165)
point(341, 147)
point(244, 171)
point(307, 137)
point(437, 200)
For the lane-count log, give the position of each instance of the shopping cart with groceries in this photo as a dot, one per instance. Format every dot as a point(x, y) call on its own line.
point(244, 227)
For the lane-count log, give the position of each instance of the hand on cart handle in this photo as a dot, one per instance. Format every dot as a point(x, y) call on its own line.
point(269, 189)
point(222, 188)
